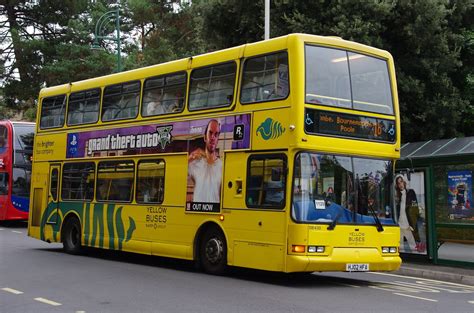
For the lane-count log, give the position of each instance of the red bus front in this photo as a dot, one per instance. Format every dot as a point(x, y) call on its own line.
point(16, 144)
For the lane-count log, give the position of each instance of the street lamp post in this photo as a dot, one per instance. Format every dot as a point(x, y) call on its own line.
point(99, 30)
point(267, 20)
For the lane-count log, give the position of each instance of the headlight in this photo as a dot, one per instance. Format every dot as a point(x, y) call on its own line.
point(389, 249)
point(316, 249)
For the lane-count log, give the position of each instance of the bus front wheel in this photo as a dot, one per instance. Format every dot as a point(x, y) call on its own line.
point(71, 236)
point(213, 251)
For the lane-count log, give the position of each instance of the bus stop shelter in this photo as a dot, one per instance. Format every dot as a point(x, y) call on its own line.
point(440, 172)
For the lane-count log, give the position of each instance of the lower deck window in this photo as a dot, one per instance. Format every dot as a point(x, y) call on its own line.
point(150, 181)
point(115, 181)
point(78, 181)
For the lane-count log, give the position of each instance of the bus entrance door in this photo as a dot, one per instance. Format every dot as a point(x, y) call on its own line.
point(255, 234)
point(53, 194)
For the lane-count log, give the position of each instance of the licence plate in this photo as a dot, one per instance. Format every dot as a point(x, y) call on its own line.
point(357, 267)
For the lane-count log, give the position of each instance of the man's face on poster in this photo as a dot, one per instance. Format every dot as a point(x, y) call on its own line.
point(212, 136)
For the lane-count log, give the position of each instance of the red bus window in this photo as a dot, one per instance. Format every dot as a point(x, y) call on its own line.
point(3, 138)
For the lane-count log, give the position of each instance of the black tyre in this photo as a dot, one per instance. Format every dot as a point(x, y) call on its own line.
point(71, 236)
point(213, 252)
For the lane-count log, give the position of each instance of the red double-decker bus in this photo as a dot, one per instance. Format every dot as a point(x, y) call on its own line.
point(16, 149)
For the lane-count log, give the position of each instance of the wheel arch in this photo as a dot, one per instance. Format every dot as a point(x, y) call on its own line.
point(67, 217)
point(199, 234)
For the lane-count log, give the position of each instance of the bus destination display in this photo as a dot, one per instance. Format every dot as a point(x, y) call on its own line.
point(348, 125)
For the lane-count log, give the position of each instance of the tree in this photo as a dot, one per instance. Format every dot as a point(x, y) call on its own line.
point(427, 54)
point(167, 30)
point(243, 20)
point(461, 22)
point(73, 59)
point(30, 38)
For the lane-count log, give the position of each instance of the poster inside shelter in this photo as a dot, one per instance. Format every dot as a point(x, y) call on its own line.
point(410, 211)
point(460, 194)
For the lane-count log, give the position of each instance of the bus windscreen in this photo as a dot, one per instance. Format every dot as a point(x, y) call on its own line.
point(349, 190)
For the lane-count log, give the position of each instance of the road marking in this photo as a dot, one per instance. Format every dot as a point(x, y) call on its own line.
point(16, 231)
point(80, 311)
point(410, 296)
point(421, 279)
point(439, 285)
point(47, 301)
point(17, 292)
point(471, 302)
point(391, 288)
point(416, 287)
point(1, 228)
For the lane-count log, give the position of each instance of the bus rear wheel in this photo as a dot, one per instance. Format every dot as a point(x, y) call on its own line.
point(71, 236)
point(213, 252)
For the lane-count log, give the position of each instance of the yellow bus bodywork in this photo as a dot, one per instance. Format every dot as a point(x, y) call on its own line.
point(256, 238)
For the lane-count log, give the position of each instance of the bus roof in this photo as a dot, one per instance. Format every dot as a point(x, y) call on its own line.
point(17, 122)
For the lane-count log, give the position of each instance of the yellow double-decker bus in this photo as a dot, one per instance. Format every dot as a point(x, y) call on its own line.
point(276, 155)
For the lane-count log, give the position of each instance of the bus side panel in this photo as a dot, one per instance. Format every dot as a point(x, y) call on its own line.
point(38, 199)
point(170, 229)
point(271, 129)
point(3, 204)
point(50, 147)
point(256, 237)
point(114, 226)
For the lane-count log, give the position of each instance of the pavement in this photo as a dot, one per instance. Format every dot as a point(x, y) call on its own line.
point(460, 275)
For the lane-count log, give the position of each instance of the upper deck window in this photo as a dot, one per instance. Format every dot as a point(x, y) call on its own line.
point(164, 94)
point(3, 138)
point(24, 135)
point(52, 112)
point(265, 78)
point(121, 101)
point(83, 107)
point(348, 80)
point(212, 86)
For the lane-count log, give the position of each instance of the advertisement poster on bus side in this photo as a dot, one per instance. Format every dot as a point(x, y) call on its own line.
point(460, 194)
point(205, 140)
point(410, 212)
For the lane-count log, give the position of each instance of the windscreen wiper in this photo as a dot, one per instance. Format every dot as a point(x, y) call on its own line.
point(376, 218)
point(334, 222)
